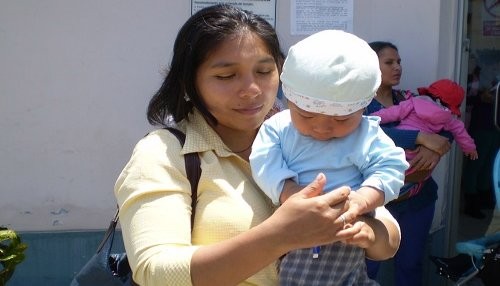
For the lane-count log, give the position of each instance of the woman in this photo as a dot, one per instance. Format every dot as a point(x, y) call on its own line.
point(222, 82)
point(414, 214)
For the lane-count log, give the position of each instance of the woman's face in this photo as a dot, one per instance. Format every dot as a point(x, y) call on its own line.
point(323, 127)
point(238, 82)
point(390, 66)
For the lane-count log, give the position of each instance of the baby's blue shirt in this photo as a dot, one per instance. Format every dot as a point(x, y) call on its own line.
point(366, 157)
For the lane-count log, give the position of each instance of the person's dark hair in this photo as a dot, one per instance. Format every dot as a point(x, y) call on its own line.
point(198, 37)
point(380, 45)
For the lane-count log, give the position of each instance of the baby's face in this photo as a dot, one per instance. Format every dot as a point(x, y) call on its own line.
point(324, 127)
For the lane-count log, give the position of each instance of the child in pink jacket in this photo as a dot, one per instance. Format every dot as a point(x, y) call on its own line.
point(437, 108)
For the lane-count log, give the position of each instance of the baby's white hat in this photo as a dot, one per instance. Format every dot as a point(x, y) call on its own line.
point(331, 72)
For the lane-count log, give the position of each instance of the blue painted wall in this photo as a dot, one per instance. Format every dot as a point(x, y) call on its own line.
point(52, 259)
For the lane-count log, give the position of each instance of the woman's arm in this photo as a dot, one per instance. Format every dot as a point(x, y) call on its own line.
point(435, 142)
point(429, 147)
point(304, 220)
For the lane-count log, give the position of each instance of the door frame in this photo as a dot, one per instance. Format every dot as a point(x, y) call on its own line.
point(456, 162)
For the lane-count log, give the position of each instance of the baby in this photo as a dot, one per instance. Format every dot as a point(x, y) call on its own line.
point(436, 109)
point(328, 80)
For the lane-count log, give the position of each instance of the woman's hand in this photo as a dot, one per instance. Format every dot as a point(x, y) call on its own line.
point(434, 142)
point(309, 218)
point(425, 159)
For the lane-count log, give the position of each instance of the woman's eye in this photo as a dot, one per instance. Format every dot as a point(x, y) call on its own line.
point(265, 71)
point(224, 77)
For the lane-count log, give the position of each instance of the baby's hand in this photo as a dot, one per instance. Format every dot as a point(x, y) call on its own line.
point(362, 201)
point(472, 155)
point(362, 235)
point(357, 206)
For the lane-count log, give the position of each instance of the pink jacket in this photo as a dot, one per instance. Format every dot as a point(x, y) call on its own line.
point(417, 113)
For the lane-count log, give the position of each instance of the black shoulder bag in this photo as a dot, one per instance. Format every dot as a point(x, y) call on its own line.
point(112, 269)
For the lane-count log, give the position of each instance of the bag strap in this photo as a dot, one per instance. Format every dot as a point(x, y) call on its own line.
point(110, 232)
point(193, 173)
point(193, 170)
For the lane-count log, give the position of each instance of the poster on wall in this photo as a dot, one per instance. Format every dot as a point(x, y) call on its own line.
point(491, 18)
point(264, 8)
point(310, 16)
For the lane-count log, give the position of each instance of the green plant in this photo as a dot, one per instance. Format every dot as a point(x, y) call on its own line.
point(11, 253)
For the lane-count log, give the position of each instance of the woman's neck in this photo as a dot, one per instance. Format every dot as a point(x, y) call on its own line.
point(384, 91)
point(384, 95)
point(238, 141)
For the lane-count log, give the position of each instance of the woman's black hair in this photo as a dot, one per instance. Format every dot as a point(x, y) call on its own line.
point(198, 37)
point(380, 45)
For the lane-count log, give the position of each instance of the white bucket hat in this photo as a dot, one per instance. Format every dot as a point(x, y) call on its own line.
point(331, 72)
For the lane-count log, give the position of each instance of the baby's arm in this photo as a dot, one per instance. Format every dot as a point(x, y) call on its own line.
point(394, 113)
point(366, 199)
point(289, 188)
point(464, 140)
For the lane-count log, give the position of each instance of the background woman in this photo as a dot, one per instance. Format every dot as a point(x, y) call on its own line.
point(414, 214)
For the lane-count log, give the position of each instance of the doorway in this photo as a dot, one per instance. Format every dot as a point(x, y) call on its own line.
point(482, 72)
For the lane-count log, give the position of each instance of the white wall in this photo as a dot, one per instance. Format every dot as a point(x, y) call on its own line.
point(76, 76)
point(413, 26)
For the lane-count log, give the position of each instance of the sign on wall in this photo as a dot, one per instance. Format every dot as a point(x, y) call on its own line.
point(310, 16)
point(264, 8)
